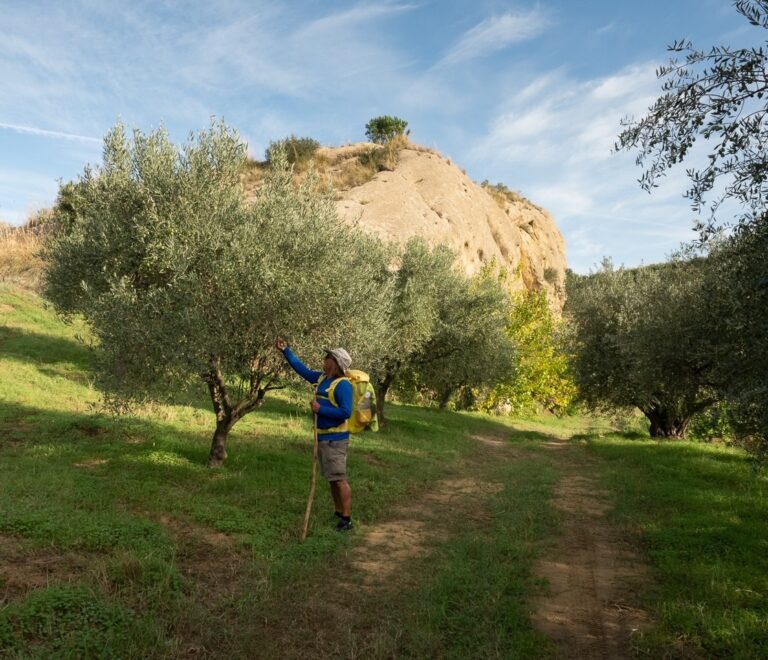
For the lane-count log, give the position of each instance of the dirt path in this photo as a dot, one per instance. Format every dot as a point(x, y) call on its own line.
point(346, 617)
point(590, 609)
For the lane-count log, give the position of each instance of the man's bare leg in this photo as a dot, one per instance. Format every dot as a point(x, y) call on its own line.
point(336, 496)
point(345, 497)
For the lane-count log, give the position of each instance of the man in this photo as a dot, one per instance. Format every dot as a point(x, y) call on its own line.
point(332, 406)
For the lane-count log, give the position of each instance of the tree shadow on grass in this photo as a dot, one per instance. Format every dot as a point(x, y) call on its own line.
point(411, 418)
point(525, 435)
point(645, 449)
point(50, 354)
point(36, 348)
point(78, 480)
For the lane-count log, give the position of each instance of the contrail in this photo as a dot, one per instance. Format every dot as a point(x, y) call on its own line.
point(45, 133)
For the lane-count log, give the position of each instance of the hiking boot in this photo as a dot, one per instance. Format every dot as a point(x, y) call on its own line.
point(344, 526)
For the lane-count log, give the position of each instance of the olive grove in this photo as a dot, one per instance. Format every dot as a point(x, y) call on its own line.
point(714, 107)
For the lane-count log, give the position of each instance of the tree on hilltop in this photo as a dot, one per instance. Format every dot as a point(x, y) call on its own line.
point(384, 128)
point(184, 282)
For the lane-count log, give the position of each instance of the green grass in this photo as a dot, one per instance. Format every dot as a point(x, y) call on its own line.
point(701, 511)
point(476, 601)
point(133, 498)
point(149, 546)
point(75, 621)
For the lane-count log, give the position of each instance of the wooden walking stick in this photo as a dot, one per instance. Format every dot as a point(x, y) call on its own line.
point(313, 482)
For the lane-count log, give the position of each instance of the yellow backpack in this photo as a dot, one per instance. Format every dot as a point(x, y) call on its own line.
point(363, 403)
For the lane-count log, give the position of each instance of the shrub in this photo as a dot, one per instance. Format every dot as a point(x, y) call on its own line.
point(298, 150)
point(385, 157)
point(503, 195)
point(383, 129)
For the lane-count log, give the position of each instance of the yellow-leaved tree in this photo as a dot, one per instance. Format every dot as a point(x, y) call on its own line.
point(541, 376)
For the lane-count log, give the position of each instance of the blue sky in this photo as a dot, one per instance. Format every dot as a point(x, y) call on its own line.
point(525, 93)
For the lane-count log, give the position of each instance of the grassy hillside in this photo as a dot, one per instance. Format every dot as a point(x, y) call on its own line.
point(133, 544)
point(116, 541)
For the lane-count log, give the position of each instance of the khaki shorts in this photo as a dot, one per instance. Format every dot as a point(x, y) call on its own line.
point(332, 456)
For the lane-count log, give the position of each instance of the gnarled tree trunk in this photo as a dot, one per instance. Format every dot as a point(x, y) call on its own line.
point(382, 387)
point(227, 414)
point(218, 453)
point(666, 424)
point(445, 397)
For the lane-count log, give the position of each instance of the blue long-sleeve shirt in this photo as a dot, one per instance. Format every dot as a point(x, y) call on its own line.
point(329, 415)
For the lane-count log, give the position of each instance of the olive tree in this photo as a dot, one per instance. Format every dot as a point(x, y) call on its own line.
point(469, 347)
point(183, 281)
point(418, 281)
point(640, 338)
point(715, 102)
point(736, 293)
point(720, 95)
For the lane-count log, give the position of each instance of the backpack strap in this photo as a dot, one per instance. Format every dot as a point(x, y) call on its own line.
point(329, 396)
point(332, 390)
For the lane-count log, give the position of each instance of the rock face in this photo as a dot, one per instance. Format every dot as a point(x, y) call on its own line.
point(426, 195)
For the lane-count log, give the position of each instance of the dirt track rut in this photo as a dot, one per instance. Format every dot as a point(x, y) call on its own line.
point(590, 609)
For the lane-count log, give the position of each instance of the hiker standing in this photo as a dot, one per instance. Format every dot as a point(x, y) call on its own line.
point(332, 406)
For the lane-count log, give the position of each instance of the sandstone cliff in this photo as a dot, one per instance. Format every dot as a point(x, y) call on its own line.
point(427, 195)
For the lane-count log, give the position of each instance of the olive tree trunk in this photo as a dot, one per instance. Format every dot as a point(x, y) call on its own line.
point(218, 453)
point(382, 387)
point(227, 414)
point(665, 424)
point(445, 397)
point(671, 421)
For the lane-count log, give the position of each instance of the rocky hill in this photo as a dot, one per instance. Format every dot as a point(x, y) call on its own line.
point(424, 194)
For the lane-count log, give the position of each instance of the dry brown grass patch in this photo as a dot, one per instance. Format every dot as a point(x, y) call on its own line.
point(20, 261)
point(24, 567)
point(340, 168)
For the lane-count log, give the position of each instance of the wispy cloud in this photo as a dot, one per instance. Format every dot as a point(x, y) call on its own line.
point(608, 27)
point(59, 135)
point(495, 34)
point(361, 13)
point(555, 143)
